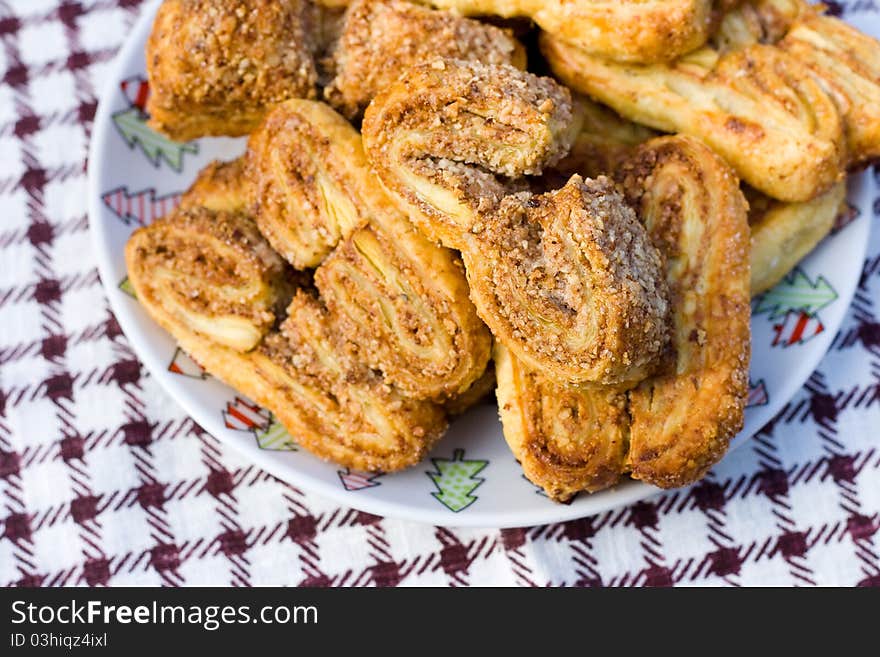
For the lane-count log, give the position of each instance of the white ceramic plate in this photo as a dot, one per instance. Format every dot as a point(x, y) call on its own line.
point(471, 478)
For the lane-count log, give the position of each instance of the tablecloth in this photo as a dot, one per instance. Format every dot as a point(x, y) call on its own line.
point(105, 481)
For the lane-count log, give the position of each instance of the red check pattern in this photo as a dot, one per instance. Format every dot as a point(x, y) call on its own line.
point(104, 481)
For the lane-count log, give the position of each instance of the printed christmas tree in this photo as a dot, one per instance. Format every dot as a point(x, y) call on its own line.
point(275, 437)
point(183, 364)
point(356, 480)
point(456, 479)
point(757, 394)
point(796, 293)
point(142, 207)
point(126, 286)
point(132, 125)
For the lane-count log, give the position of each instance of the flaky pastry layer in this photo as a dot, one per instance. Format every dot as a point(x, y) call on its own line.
point(381, 38)
point(567, 280)
point(210, 272)
point(670, 428)
point(216, 66)
point(620, 30)
point(759, 107)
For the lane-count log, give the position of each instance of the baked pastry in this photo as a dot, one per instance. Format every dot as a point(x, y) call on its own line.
point(845, 61)
point(784, 233)
point(210, 272)
point(567, 438)
point(402, 303)
point(376, 348)
point(335, 407)
point(306, 175)
point(397, 298)
point(216, 66)
point(381, 38)
point(220, 186)
point(689, 199)
point(567, 280)
point(848, 65)
point(670, 428)
point(621, 30)
point(759, 107)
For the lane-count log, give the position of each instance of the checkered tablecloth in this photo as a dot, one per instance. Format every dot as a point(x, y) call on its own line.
point(104, 480)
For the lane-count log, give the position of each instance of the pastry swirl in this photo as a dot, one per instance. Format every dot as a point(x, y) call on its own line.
point(216, 66)
point(758, 107)
point(381, 38)
point(669, 429)
point(566, 438)
point(682, 420)
point(211, 272)
point(335, 406)
point(621, 30)
point(398, 299)
point(306, 170)
point(403, 302)
point(567, 280)
point(210, 279)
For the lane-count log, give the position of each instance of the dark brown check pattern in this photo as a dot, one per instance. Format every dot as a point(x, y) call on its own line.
point(103, 480)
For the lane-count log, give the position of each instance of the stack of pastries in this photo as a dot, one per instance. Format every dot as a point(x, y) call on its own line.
point(418, 219)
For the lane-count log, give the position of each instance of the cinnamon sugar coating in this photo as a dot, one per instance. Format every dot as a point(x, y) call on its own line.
point(216, 66)
point(381, 38)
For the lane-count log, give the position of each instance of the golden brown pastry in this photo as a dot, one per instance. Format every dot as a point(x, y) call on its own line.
point(846, 61)
point(220, 186)
point(756, 21)
point(402, 303)
point(567, 280)
point(622, 30)
point(566, 438)
point(848, 65)
point(209, 279)
point(380, 38)
point(400, 300)
point(781, 233)
point(682, 421)
point(604, 140)
point(210, 272)
point(216, 66)
point(784, 233)
point(759, 107)
point(672, 427)
point(306, 176)
point(336, 407)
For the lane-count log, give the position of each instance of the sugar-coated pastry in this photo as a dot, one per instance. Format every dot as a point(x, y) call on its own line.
point(216, 66)
point(209, 279)
point(682, 420)
point(670, 428)
point(621, 30)
point(400, 300)
point(568, 280)
point(210, 272)
point(305, 170)
point(381, 38)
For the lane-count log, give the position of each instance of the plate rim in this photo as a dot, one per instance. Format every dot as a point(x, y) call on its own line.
point(624, 493)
